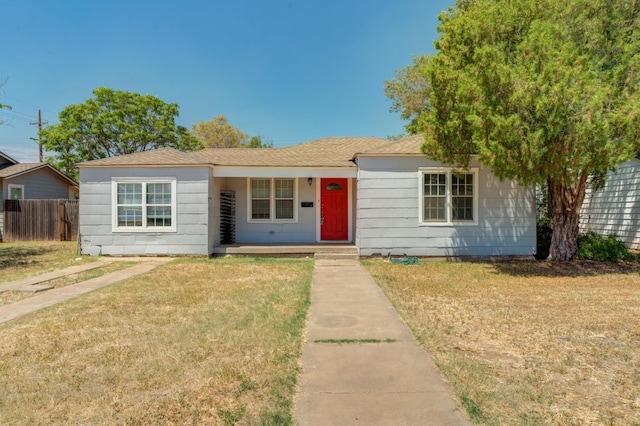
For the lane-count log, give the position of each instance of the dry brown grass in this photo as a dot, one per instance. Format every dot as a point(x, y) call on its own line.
point(25, 259)
point(8, 297)
point(528, 342)
point(196, 341)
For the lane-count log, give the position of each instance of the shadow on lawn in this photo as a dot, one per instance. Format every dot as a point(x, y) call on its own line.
point(17, 257)
point(576, 268)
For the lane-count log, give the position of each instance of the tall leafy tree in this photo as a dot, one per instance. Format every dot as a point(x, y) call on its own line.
point(219, 133)
point(542, 91)
point(114, 123)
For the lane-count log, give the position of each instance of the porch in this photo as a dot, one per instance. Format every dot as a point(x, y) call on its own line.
point(319, 250)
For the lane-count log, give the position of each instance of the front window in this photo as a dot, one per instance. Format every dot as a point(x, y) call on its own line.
point(435, 197)
point(284, 198)
point(462, 196)
point(16, 192)
point(448, 196)
point(144, 205)
point(272, 199)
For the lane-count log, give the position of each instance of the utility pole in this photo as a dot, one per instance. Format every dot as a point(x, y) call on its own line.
point(39, 123)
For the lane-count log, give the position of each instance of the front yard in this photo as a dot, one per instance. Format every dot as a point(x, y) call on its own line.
point(527, 342)
point(24, 259)
point(196, 341)
point(218, 341)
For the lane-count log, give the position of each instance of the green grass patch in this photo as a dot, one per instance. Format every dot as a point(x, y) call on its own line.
point(357, 341)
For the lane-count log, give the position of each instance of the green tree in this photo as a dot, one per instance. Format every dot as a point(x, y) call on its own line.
point(258, 142)
point(542, 91)
point(219, 133)
point(114, 123)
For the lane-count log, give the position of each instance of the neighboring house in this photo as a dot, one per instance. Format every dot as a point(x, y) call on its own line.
point(383, 197)
point(32, 181)
point(615, 209)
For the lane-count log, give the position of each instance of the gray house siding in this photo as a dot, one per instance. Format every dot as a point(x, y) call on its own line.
point(615, 209)
point(304, 231)
point(388, 217)
point(38, 184)
point(192, 213)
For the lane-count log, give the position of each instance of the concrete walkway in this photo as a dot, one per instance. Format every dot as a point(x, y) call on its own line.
point(386, 383)
point(53, 296)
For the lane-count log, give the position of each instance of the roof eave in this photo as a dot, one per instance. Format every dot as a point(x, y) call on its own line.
point(44, 166)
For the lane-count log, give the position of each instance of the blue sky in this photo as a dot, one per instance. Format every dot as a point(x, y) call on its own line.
point(290, 71)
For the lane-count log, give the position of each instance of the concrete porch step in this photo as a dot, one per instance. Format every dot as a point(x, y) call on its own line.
point(335, 256)
point(285, 249)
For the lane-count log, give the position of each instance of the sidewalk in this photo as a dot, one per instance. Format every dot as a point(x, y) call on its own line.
point(387, 383)
point(53, 296)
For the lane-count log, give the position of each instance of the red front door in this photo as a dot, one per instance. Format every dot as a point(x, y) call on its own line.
point(334, 211)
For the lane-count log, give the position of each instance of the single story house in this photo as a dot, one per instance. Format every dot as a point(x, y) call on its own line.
point(615, 208)
point(32, 181)
point(378, 196)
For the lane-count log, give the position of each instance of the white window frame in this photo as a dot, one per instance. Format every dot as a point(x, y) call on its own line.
point(272, 201)
point(144, 227)
point(448, 171)
point(15, 186)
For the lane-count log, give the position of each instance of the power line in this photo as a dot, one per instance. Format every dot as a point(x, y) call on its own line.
point(13, 116)
point(11, 98)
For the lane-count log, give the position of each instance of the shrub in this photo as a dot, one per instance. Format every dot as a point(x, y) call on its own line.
point(592, 246)
point(543, 240)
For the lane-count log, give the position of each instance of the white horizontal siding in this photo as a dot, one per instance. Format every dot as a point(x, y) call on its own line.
point(388, 216)
point(192, 214)
point(615, 209)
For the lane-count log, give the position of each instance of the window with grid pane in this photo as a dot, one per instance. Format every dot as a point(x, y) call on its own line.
point(141, 205)
point(158, 204)
point(272, 199)
point(461, 197)
point(435, 197)
point(284, 198)
point(129, 204)
point(260, 198)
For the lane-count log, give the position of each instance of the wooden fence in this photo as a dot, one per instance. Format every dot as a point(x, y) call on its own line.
point(30, 220)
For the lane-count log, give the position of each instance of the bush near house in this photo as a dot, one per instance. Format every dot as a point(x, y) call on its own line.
point(592, 246)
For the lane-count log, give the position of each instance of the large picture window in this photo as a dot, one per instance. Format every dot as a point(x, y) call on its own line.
point(144, 205)
point(448, 196)
point(272, 199)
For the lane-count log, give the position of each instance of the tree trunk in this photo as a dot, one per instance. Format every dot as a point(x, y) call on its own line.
point(566, 202)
